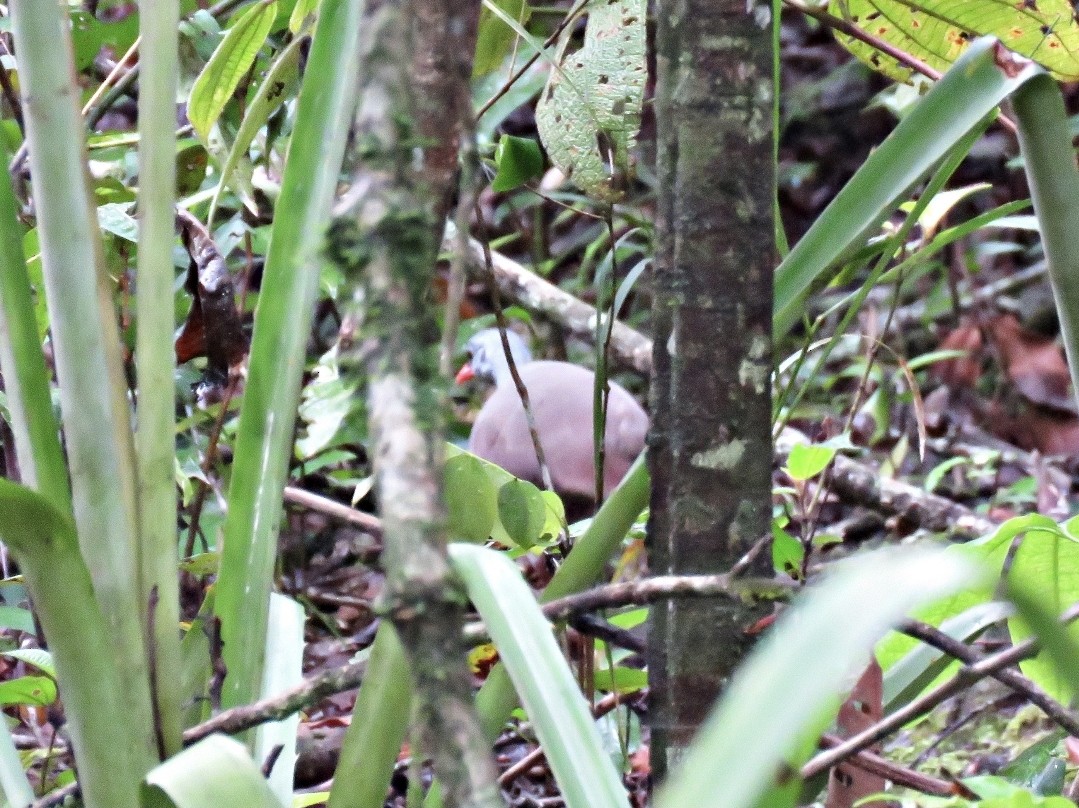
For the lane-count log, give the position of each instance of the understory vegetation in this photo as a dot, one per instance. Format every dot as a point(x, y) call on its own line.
point(248, 557)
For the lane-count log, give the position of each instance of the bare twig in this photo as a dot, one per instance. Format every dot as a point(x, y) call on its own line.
point(986, 666)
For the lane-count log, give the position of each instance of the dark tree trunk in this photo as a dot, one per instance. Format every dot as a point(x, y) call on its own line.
point(710, 447)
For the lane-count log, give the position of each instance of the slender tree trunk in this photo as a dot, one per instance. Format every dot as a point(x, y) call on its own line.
point(385, 239)
point(710, 447)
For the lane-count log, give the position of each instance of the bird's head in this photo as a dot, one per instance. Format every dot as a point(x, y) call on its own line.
point(487, 356)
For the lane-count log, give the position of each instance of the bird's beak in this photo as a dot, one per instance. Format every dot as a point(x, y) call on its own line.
point(465, 373)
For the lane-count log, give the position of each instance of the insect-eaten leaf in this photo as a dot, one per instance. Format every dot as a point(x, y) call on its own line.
point(470, 499)
point(590, 111)
point(787, 553)
point(936, 32)
point(519, 160)
point(36, 691)
point(522, 511)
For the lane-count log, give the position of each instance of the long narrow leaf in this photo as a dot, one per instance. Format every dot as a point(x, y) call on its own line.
point(15, 788)
point(379, 723)
point(284, 669)
point(978, 82)
point(282, 323)
point(22, 364)
point(550, 696)
point(793, 678)
point(111, 754)
point(1046, 144)
point(228, 65)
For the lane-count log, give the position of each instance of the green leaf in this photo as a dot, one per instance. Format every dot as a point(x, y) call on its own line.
point(621, 680)
point(228, 65)
point(806, 461)
point(39, 658)
point(519, 159)
point(281, 82)
point(114, 218)
point(36, 691)
point(495, 38)
point(303, 11)
point(787, 553)
point(807, 659)
point(471, 499)
point(522, 511)
point(589, 113)
point(17, 618)
point(216, 771)
point(28, 521)
point(924, 665)
point(544, 682)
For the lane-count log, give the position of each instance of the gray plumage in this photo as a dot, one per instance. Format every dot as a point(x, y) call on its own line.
point(561, 399)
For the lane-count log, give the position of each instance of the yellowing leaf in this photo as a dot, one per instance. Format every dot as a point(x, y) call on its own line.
point(936, 32)
point(589, 113)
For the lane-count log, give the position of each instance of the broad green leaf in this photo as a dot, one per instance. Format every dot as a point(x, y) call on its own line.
point(114, 218)
point(471, 499)
point(522, 511)
point(808, 656)
point(214, 772)
point(228, 65)
point(1046, 558)
point(787, 553)
point(937, 32)
point(495, 39)
point(28, 521)
point(519, 160)
point(36, 691)
point(543, 680)
point(1047, 563)
point(555, 511)
point(17, 618)
point(589, 113)
point(949, 111)
point(38, 657)
point(806, 461)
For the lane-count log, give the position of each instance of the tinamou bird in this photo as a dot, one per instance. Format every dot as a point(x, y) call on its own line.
point(561, 398)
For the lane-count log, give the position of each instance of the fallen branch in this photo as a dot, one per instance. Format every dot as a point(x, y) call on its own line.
point(857, 483)
point(629, 347)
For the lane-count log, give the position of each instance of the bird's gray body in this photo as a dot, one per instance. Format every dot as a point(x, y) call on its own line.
point(561, 397)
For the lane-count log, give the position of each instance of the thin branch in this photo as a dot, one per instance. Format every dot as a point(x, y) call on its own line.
point(930, 635)
point(966, 675)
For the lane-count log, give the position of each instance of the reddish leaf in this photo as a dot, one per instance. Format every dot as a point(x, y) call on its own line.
point(847, 784)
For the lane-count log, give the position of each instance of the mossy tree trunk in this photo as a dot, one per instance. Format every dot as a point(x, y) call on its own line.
point(385, 238)
point(710, 447)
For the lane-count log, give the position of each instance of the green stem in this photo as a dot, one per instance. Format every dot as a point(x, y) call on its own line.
point(86, 347)
point(282, 323)
point(155, 438)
